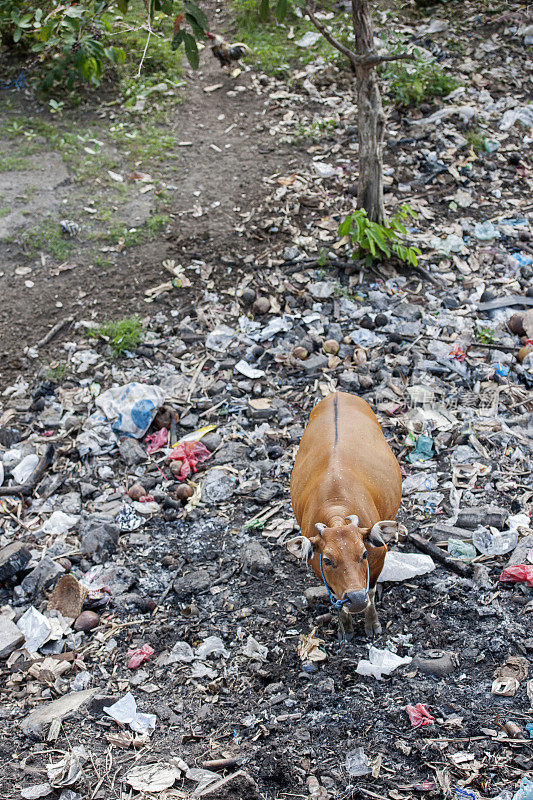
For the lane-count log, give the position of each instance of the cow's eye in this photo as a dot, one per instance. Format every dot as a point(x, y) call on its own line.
point(365, 555)
point(328, 562)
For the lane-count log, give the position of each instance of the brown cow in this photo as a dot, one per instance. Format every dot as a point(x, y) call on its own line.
point(346, 488)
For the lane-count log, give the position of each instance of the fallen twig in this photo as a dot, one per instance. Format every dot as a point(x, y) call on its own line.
point(25, 489)
point(464, 570)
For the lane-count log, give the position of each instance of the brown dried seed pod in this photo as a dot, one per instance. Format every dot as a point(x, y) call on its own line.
point(136, 491)
point(261, 305)
point(300, 352)
point(86, 621)
point(175, 467)
point(184, 492)
point(524, 351)
point(331, 347)
point(359, 356)
point(516, 324)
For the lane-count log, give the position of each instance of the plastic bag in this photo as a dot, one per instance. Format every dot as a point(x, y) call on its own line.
point(380, 662)
point(25, 469)
point(423, 449)
point(125, 712)
point(525, 792)
point(60, 522)
point(35, 627)
point(156, 441)
point(403, 566)
point(357, 763)
point(461, 550)
point(518, 573)
point(191, 454)
point(212, 646)
point(131, 408)
point(419, 716)
point(137, 657)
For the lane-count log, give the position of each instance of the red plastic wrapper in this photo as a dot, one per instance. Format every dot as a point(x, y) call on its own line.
point(146, 498)
point(419, 715)
point(156, 441)
point(518, 574)
point(137, 657)
point(191, 453)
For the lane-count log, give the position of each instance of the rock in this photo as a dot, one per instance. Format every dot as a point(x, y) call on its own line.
point(436, 662)
point(36, 724)
point(99, 534)
point(239, 786)
point(315, 594)
point(230, 453)
point(217, 487)
point(520, 553)
point(44, 576)
point(87, 489)
point(10, 637)
point(254, 558)
point(247, 296)
point(267, 492)
point(13, 559)
point(86, 621)
point(315, 363)
point(349, 381)
point(189, 421)
point(487, 516)
point(441, 532)
point(212, 441)
point(197, 581)
point(131, 451)
point(261, 305)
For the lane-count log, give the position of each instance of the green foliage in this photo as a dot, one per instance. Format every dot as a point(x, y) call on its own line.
point(123, 335)
point(484, 335)
point(76, 40)
point(315, 132)
point(47, 237)
point(375, 241)
point(415, 82)
point(56, 371)
point(475, 140)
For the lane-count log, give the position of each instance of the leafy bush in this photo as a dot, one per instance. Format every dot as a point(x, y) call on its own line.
point(122, 335)
point(375, 241)
point(411, 84)
point(77, 39)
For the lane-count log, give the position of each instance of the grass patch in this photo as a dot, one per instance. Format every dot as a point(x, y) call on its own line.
point(47, 238)
point(56, 371)
point(123, 335)
point(475, 140)
point(318, 130)
point(412, 84)
point(273, 51)
point(121, 233)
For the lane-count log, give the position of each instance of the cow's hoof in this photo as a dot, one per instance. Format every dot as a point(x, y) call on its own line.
point(374, 629)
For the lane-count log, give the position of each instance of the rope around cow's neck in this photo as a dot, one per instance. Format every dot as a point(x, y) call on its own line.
point(338, 604)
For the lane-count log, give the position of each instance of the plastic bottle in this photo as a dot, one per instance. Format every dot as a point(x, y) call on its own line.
point(492, 542)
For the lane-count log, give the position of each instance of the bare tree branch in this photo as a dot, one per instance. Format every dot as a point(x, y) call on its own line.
point(372, 59)
point(330, 38)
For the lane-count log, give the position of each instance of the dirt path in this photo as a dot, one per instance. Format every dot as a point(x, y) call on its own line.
point(204, 164)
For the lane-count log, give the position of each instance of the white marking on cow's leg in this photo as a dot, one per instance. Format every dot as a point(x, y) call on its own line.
point(372, 626)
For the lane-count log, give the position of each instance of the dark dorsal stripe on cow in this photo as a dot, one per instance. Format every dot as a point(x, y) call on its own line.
point(336, 418)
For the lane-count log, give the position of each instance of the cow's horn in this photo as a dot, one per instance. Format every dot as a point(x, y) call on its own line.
point(320, 527)
point(353, 519)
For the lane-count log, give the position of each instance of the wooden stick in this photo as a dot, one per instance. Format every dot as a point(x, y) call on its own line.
point(464, 570)
point(25, 489)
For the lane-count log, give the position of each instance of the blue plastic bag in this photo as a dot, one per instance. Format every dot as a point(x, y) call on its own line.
point(525, 792)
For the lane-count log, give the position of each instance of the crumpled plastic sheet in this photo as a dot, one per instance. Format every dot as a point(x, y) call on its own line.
point(380, 662)
point(525, 791)
point(518, 574)
point(191, 453)
point(139, 656)
point(419, 716)
point(131, 408)
point(35, 627)
point(156, 441)
point(124, 711)
point(423, 449)
point(403, 566)
point(127, 518)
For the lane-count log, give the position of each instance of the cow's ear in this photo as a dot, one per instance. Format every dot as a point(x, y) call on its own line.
point(301, 547)
point(384, 531)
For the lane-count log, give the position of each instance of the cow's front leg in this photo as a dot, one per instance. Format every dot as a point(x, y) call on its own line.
point(346, 621)
point(372, 626)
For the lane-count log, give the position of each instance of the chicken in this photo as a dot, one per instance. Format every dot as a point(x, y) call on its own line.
point(226, 52)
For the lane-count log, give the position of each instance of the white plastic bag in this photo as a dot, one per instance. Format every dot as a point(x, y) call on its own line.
point(380, 662)
point(403, 566)
point(131, 408)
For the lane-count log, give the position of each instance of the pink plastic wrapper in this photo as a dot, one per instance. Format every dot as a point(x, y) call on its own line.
point(137, 657)
point(518, 573)
point(419, 715)
point(146, 498)
point(191, 453)
point(156, 441)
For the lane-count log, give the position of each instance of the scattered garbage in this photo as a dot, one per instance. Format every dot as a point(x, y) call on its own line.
point(419, 716)
point(356, 763)
point(380, 662)
point(404, 566)
point(124, 711)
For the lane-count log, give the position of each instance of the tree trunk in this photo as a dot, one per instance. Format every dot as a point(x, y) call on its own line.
point(371, 118)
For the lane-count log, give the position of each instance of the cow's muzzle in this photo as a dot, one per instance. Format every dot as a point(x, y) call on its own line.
point(357, 601)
